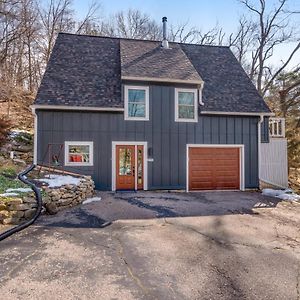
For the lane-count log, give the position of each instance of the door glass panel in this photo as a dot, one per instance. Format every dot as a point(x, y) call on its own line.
point(125, 161)
point(140, 166)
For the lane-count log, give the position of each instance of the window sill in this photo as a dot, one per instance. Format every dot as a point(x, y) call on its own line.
point(78, 165)
point(136, 119)
point(186, 120)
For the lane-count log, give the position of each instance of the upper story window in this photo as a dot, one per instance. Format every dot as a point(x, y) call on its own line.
point(78, 153)
point(186, 107)
point(137, 103)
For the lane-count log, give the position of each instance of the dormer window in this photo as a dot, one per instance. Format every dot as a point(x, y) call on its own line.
point(186, 107)
point(136, 103)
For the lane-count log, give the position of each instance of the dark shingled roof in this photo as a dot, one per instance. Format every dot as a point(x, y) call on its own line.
point(226, 85)
point(149, 59)
point(82, 71)
point(86, 71)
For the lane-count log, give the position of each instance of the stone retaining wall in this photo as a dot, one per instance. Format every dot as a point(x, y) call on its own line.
point(16, 210)
point(68, 195)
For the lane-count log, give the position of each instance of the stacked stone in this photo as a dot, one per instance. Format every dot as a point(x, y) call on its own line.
point(17, 210)
point(68, 195)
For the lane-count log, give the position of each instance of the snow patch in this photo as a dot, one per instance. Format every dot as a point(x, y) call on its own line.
point(20, 190)
point(9, 194)
point(90, 200)
point(60, 180)
point(286, 194)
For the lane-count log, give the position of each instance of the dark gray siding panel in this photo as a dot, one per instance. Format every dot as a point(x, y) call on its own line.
point(166, 139)
point(265, 130)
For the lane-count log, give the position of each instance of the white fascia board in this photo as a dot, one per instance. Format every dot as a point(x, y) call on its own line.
point(153, 79)
point(81, 108)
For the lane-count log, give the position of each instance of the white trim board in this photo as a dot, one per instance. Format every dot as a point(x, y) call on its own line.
point(79, 143)
point(145, 166)
point(194, 91)
point(35, 136)
point(242, 160)
point(154, 79)
point(81, 108)
point(135, 87)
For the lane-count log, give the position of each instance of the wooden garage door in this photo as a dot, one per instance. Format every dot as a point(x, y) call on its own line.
point(214, 168)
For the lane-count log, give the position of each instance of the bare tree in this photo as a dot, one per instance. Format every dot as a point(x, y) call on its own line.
point(132, 24)
point(241, 41)
point(284, 99)
point(90, 24)
point(56, 17)
point(271, 28)
point(183, 33)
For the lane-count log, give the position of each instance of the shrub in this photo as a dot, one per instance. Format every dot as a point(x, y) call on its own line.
point(6, 183)
point(24, 138)
point(5, 126)
point(9, 172)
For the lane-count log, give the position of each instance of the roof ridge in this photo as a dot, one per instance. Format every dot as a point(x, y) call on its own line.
point(138, 40)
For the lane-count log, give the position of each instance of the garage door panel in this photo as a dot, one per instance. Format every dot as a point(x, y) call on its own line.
point(202, 173)
point(200, 162)
point(214, 168)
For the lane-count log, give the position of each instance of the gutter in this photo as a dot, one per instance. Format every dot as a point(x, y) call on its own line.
point(80, 108)
point(258, 114)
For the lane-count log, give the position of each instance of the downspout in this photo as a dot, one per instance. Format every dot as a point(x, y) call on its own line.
point(261, 119)
point(200, 93)
point(35, 136)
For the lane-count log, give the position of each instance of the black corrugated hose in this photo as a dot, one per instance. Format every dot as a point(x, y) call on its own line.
point(38, 198)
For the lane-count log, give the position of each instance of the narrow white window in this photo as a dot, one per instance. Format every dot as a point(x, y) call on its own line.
point(136, 103)
point(78, 153)
point(186, 105)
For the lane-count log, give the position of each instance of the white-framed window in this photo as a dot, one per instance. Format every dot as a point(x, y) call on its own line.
point(79, 153)
point(136, 103)
point(186, 105)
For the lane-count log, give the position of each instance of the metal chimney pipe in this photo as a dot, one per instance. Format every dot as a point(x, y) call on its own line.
point(165, 43)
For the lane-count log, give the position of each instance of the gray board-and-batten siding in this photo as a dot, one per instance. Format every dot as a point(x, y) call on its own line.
point(166, 139)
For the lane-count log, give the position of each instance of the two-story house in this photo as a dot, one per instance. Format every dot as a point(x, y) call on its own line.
point(139, 114)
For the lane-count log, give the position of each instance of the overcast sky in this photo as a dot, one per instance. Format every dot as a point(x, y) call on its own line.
point(200, 13)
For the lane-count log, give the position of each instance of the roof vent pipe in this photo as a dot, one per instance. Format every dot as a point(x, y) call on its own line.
point(165, 43)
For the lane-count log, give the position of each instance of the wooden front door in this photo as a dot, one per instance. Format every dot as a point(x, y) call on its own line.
point(125, 167)
point(129, 167)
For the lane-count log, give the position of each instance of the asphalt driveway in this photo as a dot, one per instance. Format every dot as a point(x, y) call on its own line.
point(217, 245)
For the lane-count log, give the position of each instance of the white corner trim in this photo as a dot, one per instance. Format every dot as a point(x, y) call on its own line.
point(157, 79)
point(35, 136)
point(135, 87)
point(194, 91)
point(229, 113)
point(113, 162)
point(242, 159)
point(79, 143)
point(81, 108)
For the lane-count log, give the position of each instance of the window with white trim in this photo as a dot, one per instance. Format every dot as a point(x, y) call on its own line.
point(136, 103)
point(79, 153)
point(186, 105)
